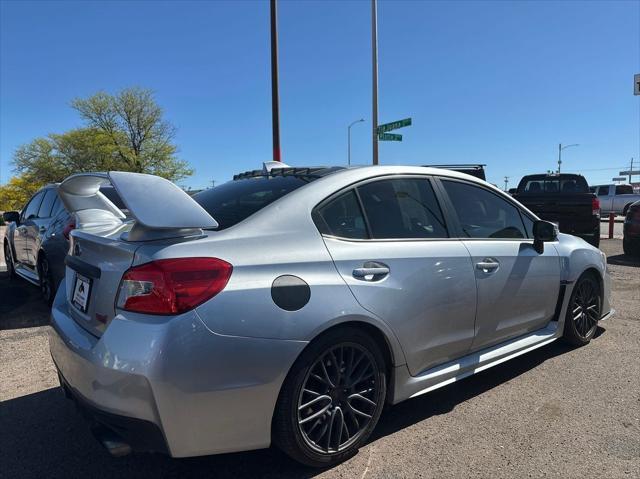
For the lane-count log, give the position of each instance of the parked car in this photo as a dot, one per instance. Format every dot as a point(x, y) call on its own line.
point(288, 306)
point(631, 229)
point(565, 200)
point(615, 198)
point(37, 239)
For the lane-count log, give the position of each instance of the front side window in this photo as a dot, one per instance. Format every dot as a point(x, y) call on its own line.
point(31, 211)
point(624, 190)
point(483, 214)
point(341, 217)
point(402, 208)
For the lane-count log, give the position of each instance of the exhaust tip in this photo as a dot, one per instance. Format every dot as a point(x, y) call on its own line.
point(111, 441)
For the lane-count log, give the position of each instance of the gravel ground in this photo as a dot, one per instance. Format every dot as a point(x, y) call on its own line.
point(555, 412)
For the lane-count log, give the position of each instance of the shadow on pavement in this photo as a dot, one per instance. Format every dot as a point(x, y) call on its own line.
point(43, 434)
point(21, 305)
point(444, 400)
point(624, 260)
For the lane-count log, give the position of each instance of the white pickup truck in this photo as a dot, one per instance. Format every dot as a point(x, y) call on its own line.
point(615, 198)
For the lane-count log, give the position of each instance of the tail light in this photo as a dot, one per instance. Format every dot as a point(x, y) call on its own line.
point(172, 286)
point(71, 225)
point(595, 206)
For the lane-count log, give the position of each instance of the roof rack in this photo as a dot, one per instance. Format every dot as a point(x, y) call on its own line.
point(304, 171)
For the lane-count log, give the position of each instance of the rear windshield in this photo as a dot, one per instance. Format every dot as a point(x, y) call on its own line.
point(233, 202)
point(568, 184)
point(113, 196)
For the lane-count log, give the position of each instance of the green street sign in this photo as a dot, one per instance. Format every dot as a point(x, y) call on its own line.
point(394, 125)
point(389, 137)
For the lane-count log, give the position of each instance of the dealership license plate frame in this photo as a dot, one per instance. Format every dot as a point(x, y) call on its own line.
point(77, 299)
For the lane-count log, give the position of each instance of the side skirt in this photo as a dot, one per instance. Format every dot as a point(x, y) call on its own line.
point(407, 386)
point(27, 274)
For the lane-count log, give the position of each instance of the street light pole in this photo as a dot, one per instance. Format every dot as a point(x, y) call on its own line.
point(374, 75)
point(560, 148)
point(275, 97)
point(349, 140)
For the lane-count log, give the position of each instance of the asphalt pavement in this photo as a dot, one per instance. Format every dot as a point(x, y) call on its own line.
point(556, 412)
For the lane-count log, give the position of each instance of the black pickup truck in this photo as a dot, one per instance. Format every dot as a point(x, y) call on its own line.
point(563, 199)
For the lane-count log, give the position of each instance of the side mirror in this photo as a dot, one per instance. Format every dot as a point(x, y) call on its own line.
point(11, 216)
point(543, 231)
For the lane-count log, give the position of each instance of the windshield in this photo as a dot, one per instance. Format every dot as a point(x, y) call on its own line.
point(235, 201)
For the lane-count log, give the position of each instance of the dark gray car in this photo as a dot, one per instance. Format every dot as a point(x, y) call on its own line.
point(37, 239)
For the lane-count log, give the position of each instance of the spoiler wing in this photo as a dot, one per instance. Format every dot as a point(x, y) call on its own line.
point(160, 208)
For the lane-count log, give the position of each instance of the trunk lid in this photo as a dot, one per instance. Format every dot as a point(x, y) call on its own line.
point(104, 244)
point(94, 267)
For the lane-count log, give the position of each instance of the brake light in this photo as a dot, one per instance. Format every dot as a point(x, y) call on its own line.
point(595, 206)
point(172, 286)
point(71, 225)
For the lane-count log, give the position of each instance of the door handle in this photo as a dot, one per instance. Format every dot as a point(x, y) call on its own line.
point(371, 271)
point(488, 265)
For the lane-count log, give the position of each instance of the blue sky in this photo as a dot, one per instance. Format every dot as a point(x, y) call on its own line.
point(500, 83)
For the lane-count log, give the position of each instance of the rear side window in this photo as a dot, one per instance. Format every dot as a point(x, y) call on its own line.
point(236, 200)
point(603, 191)
point(483, 214)
point(402, 208)
point(47, 203)
point(341, 217)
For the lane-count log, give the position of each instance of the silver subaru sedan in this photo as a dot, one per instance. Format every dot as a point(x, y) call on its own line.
point(288, 306)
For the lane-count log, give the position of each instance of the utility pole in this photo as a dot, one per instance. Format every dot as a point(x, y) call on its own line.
point(374, 76)
point(560, 148)
point(275, 100)
point(349, 140)
point(630, 170)
point(506, 183)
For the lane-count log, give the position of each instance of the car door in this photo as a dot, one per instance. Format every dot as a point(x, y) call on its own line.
point(517, 287)
point(35, 226)
point(605, 197)
point(29, 213)
point(390, 243)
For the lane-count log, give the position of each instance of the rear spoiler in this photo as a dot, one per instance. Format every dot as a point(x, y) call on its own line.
point(159, 207)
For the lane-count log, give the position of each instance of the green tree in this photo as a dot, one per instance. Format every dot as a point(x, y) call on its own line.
point(124, 132)
point(133, 121)
point(15, 193)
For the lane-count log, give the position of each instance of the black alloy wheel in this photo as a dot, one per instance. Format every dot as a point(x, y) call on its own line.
point(8, 259)
point(584, 311)
point(47, 287)
point(332, 398)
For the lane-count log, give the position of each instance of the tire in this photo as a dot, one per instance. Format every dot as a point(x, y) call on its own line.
point(625, 209)
point(332, 429)
point(47, 286)
point(8, 258)
point(583, 312)
point(629, 248)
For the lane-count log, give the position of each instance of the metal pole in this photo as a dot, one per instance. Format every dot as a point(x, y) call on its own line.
point(374, 75)
point(349, 140)
point(275, 101)
point(559, 156)
point(630, 170)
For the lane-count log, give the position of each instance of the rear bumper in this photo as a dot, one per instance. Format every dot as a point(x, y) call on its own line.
point(141, 435)
point(170, 384)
